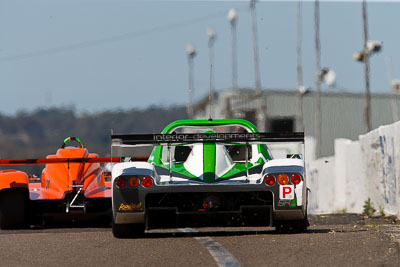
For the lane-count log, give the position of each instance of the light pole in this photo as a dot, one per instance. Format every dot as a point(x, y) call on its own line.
point(261, 121)
point(395, 86)
point(366, 69)
point(396, 91)
point(300, 86)
point(211, 39)
point(370, 47)
point(255, 45)
point(326, 75)
point(191, 53)
point(317, 125)
point(232, 18)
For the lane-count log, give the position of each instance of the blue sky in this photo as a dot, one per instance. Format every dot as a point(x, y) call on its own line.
point(97, 55)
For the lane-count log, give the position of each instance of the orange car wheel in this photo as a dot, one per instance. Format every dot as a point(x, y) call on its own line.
point(13, 209)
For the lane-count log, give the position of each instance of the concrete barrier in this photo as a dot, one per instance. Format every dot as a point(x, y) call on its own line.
point(381, 154)
point(368, 168)
point(320, 183)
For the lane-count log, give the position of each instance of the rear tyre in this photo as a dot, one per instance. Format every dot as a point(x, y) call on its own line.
point(127, 230)
point(13, 207)
point(300, 226)
point(282, 227)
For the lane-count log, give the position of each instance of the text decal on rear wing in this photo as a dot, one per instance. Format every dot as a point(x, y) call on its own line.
point(135, 139)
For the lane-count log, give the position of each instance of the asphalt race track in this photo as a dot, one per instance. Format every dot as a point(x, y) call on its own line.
point(334, 240)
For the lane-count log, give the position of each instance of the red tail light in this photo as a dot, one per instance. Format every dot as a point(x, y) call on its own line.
point(134, 181)
point(283, 179)
point(147, 181)
point(120, 182)
point(269, 179)
point(295, 178)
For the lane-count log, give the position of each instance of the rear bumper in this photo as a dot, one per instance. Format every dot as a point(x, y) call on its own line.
point(182, 206)
point(129, 217)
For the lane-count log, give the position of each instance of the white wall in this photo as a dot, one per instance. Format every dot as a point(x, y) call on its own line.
point(381, 154)
point(319, 180)
point(349, 177)
point(362, 169)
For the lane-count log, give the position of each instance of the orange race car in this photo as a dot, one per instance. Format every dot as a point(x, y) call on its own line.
point(72, 187)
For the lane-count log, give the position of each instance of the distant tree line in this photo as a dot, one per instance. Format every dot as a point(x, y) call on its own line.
point(41, 132)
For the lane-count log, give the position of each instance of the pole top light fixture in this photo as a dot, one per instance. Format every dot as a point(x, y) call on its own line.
point(396, 86)
point(374, 46)
point(328, 76)
point(232, 15)
point(359, 56)
point(303, 90)
point(371, 48)
point(210, 33)
point(190, 50)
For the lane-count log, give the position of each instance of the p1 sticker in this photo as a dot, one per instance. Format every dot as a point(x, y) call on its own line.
point(286, 192)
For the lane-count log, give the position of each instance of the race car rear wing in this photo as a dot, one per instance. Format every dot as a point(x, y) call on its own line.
point(125, 145)
point(184, 138)
point(129, 146)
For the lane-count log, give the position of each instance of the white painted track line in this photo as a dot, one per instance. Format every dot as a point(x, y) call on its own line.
point(222, 257)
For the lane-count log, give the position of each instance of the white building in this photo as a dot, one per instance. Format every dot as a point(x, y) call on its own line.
point(342, 113)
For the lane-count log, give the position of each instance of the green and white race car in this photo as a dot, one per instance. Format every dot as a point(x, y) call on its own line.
point(204, 173)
